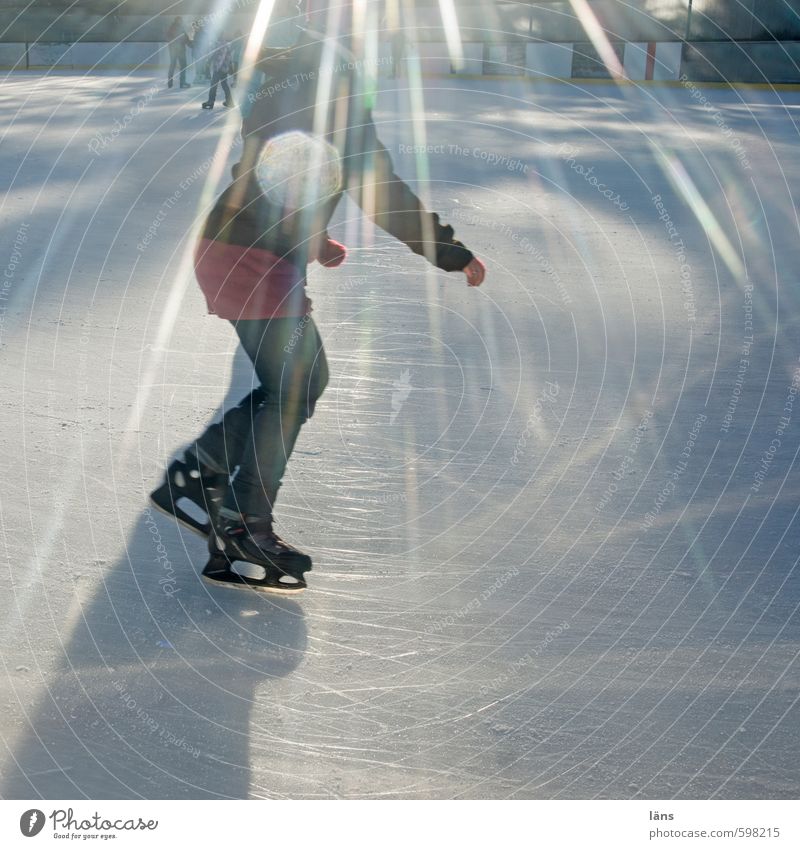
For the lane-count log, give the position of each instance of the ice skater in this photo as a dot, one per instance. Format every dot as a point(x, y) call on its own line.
point(237, 47)
point(301, 151)
point(199, 40)
point(219, 68)
point(399, 44)
point(178, 41)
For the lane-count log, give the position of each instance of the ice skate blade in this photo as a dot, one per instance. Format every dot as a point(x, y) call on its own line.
point(219, 574)
point(182, 518)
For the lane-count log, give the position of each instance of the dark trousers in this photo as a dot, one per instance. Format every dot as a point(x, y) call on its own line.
point(219, 78)
point(259, 434)
point(177, 58)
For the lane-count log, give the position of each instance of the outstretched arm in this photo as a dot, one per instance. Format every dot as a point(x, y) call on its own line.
point(391, 204)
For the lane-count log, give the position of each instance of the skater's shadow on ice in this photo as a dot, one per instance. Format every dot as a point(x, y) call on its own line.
point(153, 692)
point(153, 695)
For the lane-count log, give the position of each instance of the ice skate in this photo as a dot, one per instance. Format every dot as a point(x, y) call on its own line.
point(189, 481)
point(255, 543)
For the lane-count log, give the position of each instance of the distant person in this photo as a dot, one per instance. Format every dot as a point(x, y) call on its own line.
point(219, 68)
point(399, 47)
point(236, 48)
point(199, 51)
point(178, 41)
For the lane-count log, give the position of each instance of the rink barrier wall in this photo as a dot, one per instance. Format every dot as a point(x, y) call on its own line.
point(651, 61)
point(747, 62)
point(12, 56)
point(636, 59)
point(84, 55)
point(548, 60)
point(771, 64)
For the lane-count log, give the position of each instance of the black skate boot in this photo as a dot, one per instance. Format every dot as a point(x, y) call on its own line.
point(255, 542)
point(195, 483)
point(207, 105)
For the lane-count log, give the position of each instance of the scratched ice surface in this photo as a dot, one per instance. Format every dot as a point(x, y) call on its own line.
point(553, 520)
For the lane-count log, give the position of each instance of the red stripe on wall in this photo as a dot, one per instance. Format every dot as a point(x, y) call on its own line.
point(651, 60)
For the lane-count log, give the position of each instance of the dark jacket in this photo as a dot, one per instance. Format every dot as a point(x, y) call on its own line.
point(177, 40)
point(243, 215)
point(220, 58)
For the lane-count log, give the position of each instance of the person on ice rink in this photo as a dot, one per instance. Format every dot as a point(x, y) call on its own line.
point(219, 65)
point(305, 144)
point(177, 41)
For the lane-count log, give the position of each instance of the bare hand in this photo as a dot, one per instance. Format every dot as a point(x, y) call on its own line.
point(475, 271)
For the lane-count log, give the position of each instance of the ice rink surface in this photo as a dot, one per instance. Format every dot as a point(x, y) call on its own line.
point(554, 521)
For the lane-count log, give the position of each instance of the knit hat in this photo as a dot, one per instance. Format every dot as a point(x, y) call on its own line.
point(297, 170)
